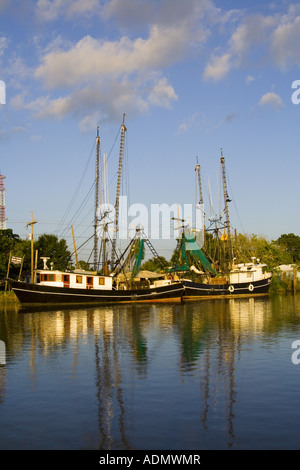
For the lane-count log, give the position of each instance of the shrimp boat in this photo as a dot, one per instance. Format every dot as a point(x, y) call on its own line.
point(85, 287)
point(221, 277)
point(76, 286)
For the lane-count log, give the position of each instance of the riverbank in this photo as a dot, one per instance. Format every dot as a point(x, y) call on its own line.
point(8, 298)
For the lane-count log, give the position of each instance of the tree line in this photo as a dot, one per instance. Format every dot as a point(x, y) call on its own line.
point(284, 250)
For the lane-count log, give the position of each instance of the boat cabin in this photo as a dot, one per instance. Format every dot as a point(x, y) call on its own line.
point(248, 272)
point(77, 279)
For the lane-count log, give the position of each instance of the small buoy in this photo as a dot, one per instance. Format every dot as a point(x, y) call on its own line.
point(2, 354)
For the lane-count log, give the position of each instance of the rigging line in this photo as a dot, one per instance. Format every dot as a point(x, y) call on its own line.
point(79, 210)
point(85, 230)
point(117, 137)
point(84, 243)
point(77, 190)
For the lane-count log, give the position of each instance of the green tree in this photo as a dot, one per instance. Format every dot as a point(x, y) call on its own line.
point(290, 243)
point(155, 264)
point(56, 250)
point(84, 265)
point(9, 243)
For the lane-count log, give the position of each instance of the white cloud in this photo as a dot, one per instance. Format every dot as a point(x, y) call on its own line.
point(102, 100)
point(249, 79)
point(271, 99)
point(218, 67)
point(250, 43)
point(194, 121)
point(115, 75)
point(91, 57)
point(50, 10)
point(162, 94)
point(285, 39)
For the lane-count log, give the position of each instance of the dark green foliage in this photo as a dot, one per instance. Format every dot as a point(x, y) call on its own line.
point(47, 245)
point(56, 250)
point(290, 243)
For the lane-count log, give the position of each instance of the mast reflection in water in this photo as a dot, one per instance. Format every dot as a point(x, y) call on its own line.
point(205, 375)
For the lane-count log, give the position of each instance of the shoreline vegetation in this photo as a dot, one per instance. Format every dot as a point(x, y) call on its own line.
point(278, 286)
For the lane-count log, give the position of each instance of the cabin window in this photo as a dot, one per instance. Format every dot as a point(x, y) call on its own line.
point(78, 279)
point(89, 281)
point(48, 277)
point(101, 281)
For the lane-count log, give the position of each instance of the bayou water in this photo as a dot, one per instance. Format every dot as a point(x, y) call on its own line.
point(202, 375)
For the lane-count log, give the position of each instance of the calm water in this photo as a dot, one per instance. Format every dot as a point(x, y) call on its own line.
point(205, 375)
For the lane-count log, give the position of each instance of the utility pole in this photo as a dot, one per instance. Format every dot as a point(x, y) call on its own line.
point(31, 223)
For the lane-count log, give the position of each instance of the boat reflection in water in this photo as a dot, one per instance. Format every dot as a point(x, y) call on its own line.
point(140, 376)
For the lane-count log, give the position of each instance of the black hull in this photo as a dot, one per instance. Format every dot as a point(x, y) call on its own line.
point(194, 290)
point(37, 294)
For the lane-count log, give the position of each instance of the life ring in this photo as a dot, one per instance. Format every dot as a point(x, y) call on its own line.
point(251, 287)
point(231, 288)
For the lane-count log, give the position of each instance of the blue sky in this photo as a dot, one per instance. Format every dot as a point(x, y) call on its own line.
point(192, 77)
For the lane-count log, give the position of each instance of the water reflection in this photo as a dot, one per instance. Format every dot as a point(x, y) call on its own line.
point(201, 343)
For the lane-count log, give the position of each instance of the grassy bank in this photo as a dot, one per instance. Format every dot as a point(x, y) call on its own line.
point(8, 298)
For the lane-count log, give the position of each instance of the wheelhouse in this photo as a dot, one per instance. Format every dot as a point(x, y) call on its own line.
point(74, 279)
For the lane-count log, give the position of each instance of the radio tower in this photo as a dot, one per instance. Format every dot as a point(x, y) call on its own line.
point(2, 204)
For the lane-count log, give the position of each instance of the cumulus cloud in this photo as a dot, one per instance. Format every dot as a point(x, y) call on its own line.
point(121, 74)
point(162, 93)
point(251, 41)
point(91, 57)
point(218, 67)
point(271, 99)
point(50, 10)
point(284, 40)
point(129, 71)
point(111, 97)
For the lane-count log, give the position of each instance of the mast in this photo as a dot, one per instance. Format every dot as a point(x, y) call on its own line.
point(123, 130)
point(226, 201)
point(201, 206)
point(197, 170)
point(96, 201)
